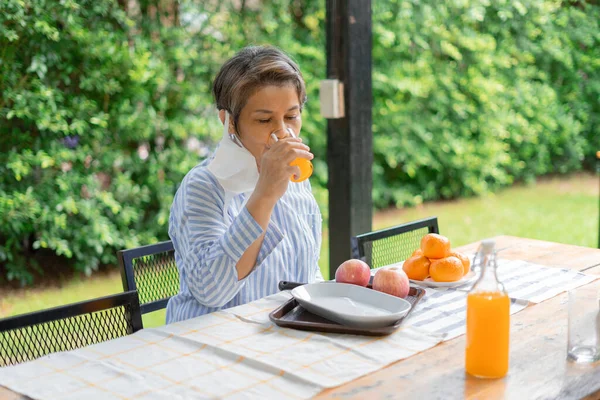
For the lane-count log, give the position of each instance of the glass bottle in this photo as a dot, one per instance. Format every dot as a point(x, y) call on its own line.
point(488, 319)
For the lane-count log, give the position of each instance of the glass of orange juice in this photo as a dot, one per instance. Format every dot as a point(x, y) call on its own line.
point(306, 167)
point(583, 340)
point(488, 320)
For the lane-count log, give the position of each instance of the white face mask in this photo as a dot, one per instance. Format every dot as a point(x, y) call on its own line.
point(233, 165)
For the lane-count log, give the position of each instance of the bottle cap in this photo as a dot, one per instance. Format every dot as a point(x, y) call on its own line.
point(488, 245)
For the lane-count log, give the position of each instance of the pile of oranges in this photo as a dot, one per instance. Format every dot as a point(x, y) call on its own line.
point(436, 259)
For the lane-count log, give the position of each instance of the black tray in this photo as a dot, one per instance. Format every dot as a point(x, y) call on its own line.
point(293, 315)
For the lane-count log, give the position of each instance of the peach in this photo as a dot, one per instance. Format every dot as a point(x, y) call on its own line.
point(353, 271)
point(392, 281)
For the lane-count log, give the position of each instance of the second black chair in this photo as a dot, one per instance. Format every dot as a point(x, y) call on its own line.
point(392, 245)
point(151, 270)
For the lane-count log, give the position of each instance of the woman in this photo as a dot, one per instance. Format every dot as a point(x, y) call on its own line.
point(238, 225)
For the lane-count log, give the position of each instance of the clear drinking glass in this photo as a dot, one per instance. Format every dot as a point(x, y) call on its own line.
point(305, 166)
point(583, 345)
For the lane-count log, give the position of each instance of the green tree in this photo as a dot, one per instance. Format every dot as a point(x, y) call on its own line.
point(106, 104)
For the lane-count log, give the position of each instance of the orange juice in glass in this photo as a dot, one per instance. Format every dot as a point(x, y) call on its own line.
point(306, 167)
point(488, 320)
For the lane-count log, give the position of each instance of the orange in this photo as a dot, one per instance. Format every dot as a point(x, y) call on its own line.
point(449, 269)
point(464, 259)
point(417, 252)
point(435, 246)
point(417, 268)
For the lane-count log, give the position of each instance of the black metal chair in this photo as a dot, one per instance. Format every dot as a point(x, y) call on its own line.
point(30, 336)
point(392, 245)
point(150, 270)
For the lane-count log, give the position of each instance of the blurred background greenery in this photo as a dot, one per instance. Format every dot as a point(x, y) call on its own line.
point(556, 209)
point(105, 105)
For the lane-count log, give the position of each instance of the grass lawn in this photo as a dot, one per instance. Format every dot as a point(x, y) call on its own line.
point(563, 210)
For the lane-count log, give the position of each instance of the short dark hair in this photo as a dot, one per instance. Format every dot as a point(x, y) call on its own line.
point(251, 69)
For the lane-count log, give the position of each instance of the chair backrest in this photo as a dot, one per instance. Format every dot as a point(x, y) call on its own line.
point(392, 245)
point(151, 270)
point(30, 336)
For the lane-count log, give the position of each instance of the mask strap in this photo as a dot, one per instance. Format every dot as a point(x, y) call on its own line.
point(232, 136)
point(226, 125)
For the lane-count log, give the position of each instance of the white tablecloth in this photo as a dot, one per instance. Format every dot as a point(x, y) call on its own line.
point(238, 353)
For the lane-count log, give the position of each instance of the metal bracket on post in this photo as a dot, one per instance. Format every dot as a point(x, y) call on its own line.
point(331, 98)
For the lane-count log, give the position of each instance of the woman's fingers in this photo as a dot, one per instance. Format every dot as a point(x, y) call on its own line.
point(276, 160)
point(292, 154)
point(304, 154)
point(287, 150)
point(286, 144)
point(293, 145)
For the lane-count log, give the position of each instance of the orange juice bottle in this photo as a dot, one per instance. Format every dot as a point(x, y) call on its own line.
point(488, 320)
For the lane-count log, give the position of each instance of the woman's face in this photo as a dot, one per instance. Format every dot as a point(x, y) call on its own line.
point(271, 109)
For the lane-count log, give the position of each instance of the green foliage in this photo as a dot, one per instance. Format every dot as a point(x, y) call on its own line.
point(93, 133)
point(104, 108)
point(471, 95)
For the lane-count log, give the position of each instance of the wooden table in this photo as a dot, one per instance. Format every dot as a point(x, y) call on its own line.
point(538, 366)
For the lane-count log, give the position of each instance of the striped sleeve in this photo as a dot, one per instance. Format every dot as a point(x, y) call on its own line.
point(211, 248)
point(272, 238)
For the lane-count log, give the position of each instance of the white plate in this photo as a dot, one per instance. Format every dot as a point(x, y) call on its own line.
point(467, 279)
point(351, 305)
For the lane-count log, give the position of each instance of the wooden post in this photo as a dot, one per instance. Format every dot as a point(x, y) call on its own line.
point(349, 139)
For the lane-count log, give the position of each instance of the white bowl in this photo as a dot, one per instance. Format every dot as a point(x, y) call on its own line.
point(351, 305)
point(470, 277)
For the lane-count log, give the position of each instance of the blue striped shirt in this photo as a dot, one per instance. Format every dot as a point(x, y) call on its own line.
point(209, 242)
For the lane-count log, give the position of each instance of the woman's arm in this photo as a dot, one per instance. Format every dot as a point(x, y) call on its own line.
point(260, 208)
point(216, 256)
point(211, 250)
point(275, 173)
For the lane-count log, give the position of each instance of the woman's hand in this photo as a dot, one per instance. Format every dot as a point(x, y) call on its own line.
point(275, 170)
